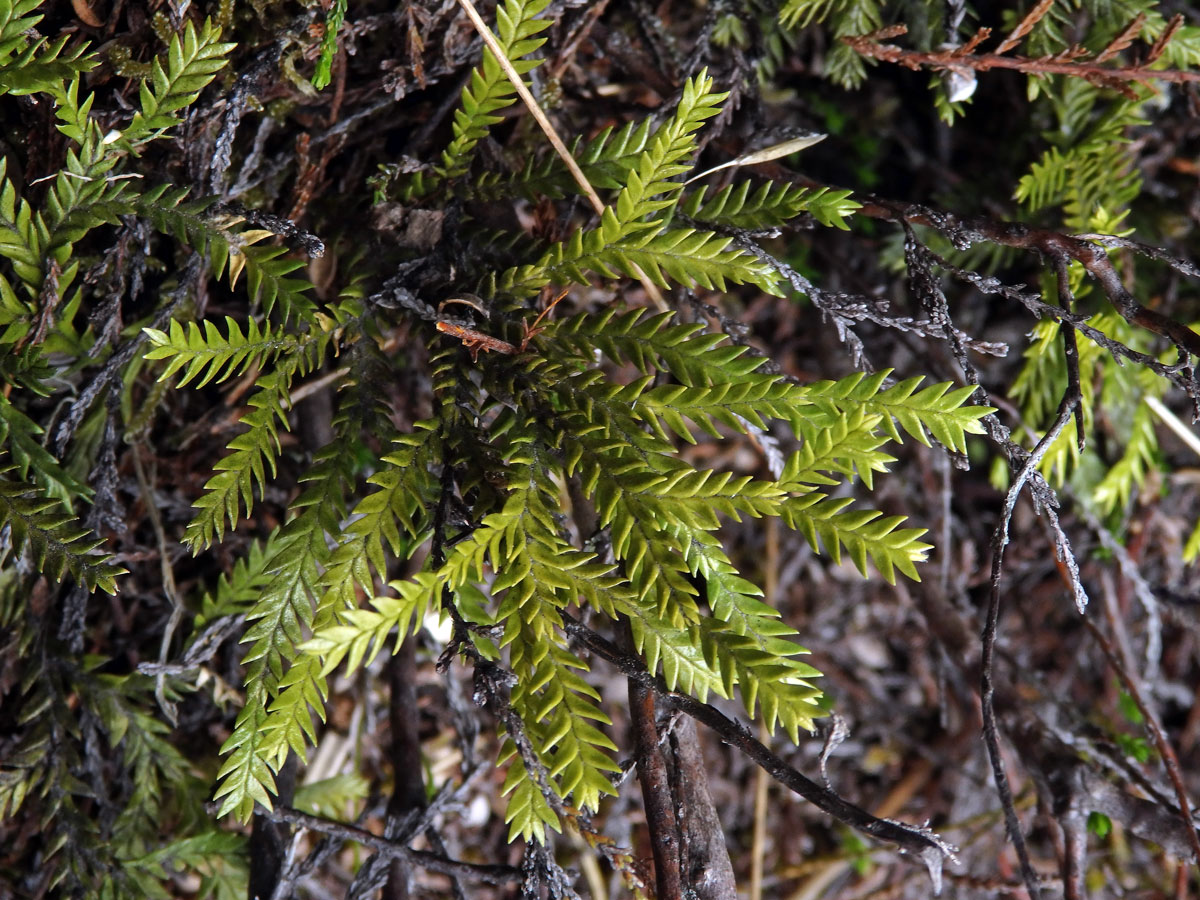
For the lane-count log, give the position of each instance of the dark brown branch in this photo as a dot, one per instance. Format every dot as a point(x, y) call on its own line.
point(487, 874)
point(1035, 15)
point(408, 792)
point(991, 736)
point(1165, 750)
point(656, 793)
point(922, 843)
point(1070, 346)
point(965, 232)
point(704, 854)
point(1066, 63)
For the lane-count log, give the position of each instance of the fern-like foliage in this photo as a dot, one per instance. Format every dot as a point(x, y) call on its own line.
point(770, 205)
point(632, 237)
point(661, 515)
point(512, 434)
point(1088, 166)
point(53, 539)
point(37, 242)
point(512, 430)
point(489, 90)
point(844, 18)
point(28, 66)
point(192, 61)
point(333, 24)
point(136, 776)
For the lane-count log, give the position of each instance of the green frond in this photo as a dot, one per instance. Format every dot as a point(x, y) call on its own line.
point(358, 635)
point(651, 343)
point(245, 778)
point(19, 436)
point(680, 496)
point(253, 451)
point(664, 158)
point(1043, 376)
point(15, 22)
point(746, 641)
point(1089, 165)
point(267, 281)
point(251, 454)
point(74, 115)
point(638, 520)
point(209, 355)
point(845, 17)
point(289, 724)
point(654, 566)
point(193, 60)
point(266, 267)
point(936, 410)
point(120, 703)
point(237, 592)
point(771, 205)
point(774, 686)
point(558, 708)
point(606, 161)
point(842, 445)
point(299, 554)
point(677, 651)
point(528, 813)
point(539, 574)
point(83, 198)
point(16, 315)
point(608, 158)
point(283, 612)
point(405, 488)
point(53, 539)
point(490, 91)
point(334, 18)
point(739, 406)
point(201, 855)
point(332, 796)
point(284, 608)
point(41, 66)
point(23, 235)
point(862, 533)
point(686, 256)
point(170, 212)
point(802, 13)
point(1119, 484)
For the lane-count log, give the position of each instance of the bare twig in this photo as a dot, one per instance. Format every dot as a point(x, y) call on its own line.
point(1070, 346)
point(1051, 244)
point(166, 569)
point(920, 842)
point(1035, 15)
point(656, 793)
point(1069, 62)
point(1066, 409)
point(487, 874)
point(1165, 750)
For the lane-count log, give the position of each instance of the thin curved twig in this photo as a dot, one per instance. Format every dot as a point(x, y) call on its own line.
point(922, 843)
